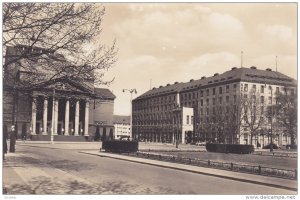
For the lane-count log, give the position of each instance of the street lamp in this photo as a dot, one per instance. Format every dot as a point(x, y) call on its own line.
point(131, 91)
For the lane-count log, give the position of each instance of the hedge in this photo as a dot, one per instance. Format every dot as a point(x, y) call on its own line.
point(230, 148)
point(120, 146)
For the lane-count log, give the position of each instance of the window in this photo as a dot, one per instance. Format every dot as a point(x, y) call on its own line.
point(227, 88)
point(227, 109)
point(220, 100)
point(192, 119)
point(277, 90)
point(270, 100)
point(214, 101)
point(214, 91)
point(201, 111)
point(185, 96)
point(241, 87)
point(262, 110)
point(234, 98)
point(246, 87)
point(207, 102)
point(227, 99)
point(193, 95)
point(262, 99)
point(214, 110)
point(201, 93)
point(187, 119)
point(220, 90)
point(234, 86)
point(190, 96)
point(262, 89)
point(201, 102)
point(254, 88)
point(292, 91)
point(207, 92)
point(270, 89)
point(207, 111)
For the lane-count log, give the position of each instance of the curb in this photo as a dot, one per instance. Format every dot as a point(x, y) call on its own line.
point(197, 172)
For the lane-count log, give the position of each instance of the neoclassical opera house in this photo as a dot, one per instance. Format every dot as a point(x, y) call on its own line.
point(69, 110)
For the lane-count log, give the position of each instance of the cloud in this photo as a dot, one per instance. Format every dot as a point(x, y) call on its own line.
point(277, 31)
point(178, 42)
point(225, 23)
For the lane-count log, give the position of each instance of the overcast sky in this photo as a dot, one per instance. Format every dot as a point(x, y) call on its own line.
point(168, 42)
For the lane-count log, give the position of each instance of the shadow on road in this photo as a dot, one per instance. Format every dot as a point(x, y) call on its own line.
point(48, 186)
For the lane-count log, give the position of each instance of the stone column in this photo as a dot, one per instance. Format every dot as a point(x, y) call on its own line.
point(86, 118)
point(76, 118)
point(33, 117)
point(45, 115)
point(55, 116)
point(67, 116)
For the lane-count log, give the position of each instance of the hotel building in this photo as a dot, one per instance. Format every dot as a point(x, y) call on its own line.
point(198, 110)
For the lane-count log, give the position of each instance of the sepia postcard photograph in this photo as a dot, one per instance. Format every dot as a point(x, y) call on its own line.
point(165, 100)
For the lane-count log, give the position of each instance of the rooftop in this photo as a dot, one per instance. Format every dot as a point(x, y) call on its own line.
point(121, 119)
point(251, 74)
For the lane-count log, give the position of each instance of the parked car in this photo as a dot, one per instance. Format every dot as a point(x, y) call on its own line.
point(269, 146)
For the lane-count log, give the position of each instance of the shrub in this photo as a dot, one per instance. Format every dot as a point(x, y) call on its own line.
point(269, 146)
point(120, 146)
point(291, 146)
point(230, 148)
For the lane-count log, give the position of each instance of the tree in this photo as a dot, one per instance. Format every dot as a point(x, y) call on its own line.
point(53, 41)
point(254, 113)
point(285, 113)
point(66, 30)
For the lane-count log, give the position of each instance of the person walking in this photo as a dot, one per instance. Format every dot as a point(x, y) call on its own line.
point(5, 136)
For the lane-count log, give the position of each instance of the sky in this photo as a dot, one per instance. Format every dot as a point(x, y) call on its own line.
point(161, 43)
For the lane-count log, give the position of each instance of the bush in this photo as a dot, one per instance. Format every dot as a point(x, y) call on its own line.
point(269, 146)
point(230, 148)
point(120, 146)
point(291, 146)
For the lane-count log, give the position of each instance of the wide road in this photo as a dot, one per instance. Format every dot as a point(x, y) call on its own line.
point(66, 171)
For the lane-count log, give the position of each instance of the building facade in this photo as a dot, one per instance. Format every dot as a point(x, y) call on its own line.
point(218, 104)
point(122, 127)
point(61, 107)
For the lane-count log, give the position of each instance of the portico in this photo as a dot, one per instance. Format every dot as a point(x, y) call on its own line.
point(61, 115)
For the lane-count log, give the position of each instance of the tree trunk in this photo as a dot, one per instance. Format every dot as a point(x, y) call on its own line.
point(13, 133)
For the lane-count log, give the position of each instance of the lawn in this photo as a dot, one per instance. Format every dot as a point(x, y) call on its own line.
point(264, 161)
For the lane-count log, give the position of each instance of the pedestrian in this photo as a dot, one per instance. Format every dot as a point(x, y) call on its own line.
point(5, 136)
point(12, 137)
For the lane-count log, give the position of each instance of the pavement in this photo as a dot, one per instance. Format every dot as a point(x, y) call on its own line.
point(19, 174)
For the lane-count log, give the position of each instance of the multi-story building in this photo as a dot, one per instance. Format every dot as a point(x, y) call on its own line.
point(218, 104)
point(122, 126)
point(67, 109)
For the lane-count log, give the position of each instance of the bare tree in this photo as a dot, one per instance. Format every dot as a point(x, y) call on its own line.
point(53, 33)
point(45, 42)
point(254, 112)
point(284, 112)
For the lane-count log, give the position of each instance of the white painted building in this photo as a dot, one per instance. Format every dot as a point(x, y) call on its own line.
point(122, 126)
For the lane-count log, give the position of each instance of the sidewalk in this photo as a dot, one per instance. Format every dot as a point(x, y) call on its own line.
point(250, 178)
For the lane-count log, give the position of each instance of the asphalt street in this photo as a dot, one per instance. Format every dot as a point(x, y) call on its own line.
point(66, 171)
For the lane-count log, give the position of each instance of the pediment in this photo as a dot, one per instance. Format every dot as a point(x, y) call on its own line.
point(68, 86)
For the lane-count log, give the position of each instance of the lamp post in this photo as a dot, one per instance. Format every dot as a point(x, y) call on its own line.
point(131, 91)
